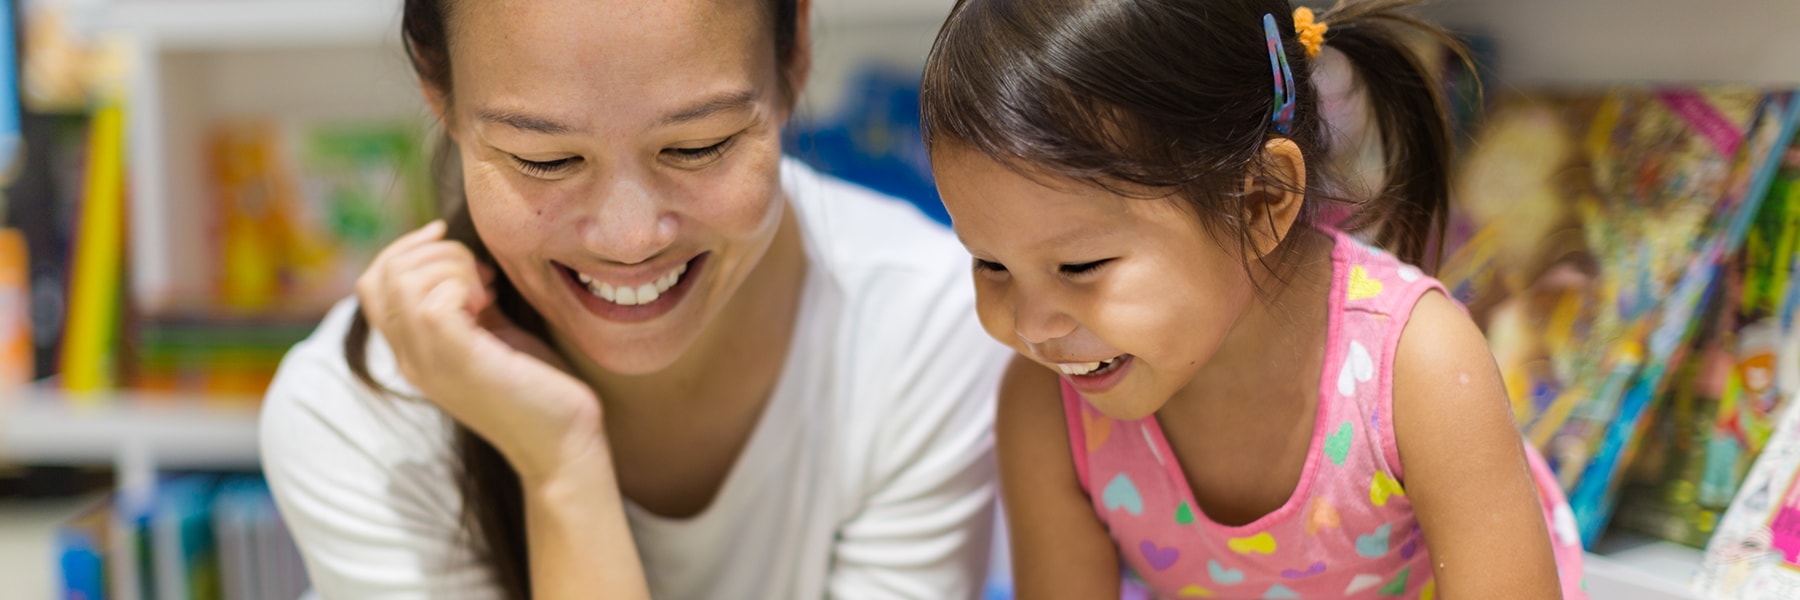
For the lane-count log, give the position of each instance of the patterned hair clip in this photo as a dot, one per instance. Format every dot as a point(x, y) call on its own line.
point(1284, 76)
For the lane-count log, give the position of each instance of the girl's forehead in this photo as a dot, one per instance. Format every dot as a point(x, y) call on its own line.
point(993, 205)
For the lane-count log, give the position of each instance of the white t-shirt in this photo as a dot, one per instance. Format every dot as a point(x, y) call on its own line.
point(870, 474)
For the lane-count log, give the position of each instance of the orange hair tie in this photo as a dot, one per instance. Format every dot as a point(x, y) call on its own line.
point(1310, 31)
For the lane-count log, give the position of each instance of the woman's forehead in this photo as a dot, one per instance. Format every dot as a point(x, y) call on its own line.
point(582, 61)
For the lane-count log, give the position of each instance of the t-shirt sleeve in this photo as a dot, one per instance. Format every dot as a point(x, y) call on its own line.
point(364, 483)
point(924, 523)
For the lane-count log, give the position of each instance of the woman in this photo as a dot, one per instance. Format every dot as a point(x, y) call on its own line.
point(646, 356)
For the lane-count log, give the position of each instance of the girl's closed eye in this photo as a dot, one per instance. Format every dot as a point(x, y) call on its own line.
point(1086, 268)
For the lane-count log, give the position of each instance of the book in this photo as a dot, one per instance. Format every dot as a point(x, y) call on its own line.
point(16, 350)
point(1590, 233)
point(90, 348)
point(81, 549)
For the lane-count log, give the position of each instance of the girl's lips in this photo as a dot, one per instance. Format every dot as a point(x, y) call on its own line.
point(1102, 381)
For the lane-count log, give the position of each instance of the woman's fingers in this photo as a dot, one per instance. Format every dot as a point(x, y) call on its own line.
point(402, 279)
point(369, 287)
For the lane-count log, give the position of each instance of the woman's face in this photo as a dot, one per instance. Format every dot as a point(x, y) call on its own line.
point(621, 161)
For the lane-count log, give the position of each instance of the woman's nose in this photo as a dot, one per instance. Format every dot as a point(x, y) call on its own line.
point(629, 224)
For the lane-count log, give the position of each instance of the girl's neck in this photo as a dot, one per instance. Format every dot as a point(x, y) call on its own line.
point(1274, 351)
point(738, 357)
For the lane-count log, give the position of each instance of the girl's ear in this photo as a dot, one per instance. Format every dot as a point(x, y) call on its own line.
point(1273, 192)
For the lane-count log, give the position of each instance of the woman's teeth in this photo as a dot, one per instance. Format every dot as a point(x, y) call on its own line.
point(1089, 368)
point(633, 296)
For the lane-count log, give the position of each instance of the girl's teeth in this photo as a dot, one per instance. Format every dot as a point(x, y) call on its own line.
point(627, 296)
point(647, 293)
point(1087, 368)
point(585, 280)
point(1079, 369)
point(606, 291)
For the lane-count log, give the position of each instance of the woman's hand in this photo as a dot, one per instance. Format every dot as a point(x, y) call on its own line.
point(432, 301)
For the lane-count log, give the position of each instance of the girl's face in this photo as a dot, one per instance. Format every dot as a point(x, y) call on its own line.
point(1071, 275)
point(621, 161)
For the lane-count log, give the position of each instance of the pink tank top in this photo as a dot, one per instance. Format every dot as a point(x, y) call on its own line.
point(1348, 530)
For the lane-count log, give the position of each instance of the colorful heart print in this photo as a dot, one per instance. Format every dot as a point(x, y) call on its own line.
point(1320, 515)
point(1337, 445)
point(1194, 591)
point(1362, 286)
point(1362, 582)
point(1375, 544)
point(1381, 487)
point(1096, 428)
point(1314, 569)
point(1397, 586)
point(1122, 493)
point(1223, 576)
point(1261, 543)
point(1160, 558)
point(1359, 367)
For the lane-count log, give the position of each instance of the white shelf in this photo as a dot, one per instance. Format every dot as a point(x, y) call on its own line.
point(43, 427)
point(251, 24)
point(1631, 566)
point(247, 24)
point(1599, 42)
point(863, 13)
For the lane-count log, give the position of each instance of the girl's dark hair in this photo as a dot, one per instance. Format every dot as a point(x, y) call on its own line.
point(493, 503)
point(1177, 96)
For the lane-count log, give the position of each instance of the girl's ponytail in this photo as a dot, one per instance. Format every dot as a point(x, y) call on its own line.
point(1410, 209)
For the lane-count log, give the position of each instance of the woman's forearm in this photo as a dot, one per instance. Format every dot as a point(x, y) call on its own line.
point(580, 543)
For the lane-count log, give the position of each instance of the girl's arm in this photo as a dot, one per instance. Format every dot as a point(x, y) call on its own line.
point(1465, 473)
point(1059, 548)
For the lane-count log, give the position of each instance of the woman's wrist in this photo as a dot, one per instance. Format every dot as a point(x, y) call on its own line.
point(580, 471)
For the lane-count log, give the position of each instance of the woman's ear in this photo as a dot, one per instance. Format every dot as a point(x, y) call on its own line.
point(1274, 191)
point(801, 66)
point(439, 102)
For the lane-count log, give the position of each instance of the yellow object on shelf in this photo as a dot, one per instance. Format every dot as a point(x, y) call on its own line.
point(90, 338)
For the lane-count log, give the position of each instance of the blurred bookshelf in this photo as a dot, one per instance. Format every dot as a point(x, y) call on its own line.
point(197, 62)
point(136, 433)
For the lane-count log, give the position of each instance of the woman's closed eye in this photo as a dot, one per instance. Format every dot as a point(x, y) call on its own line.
point(695, 157)
point(989, 266)
point(546, 168)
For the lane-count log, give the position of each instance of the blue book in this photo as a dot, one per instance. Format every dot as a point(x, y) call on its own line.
point(81, 548)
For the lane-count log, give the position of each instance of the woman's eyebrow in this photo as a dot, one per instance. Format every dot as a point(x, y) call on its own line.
point(712, 105)
point(525, 122)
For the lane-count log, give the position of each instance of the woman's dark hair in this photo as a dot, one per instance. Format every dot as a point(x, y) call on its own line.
point(493, 503)
point(1177, 96)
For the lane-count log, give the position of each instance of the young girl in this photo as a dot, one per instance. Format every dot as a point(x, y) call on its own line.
point(1256, 404)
